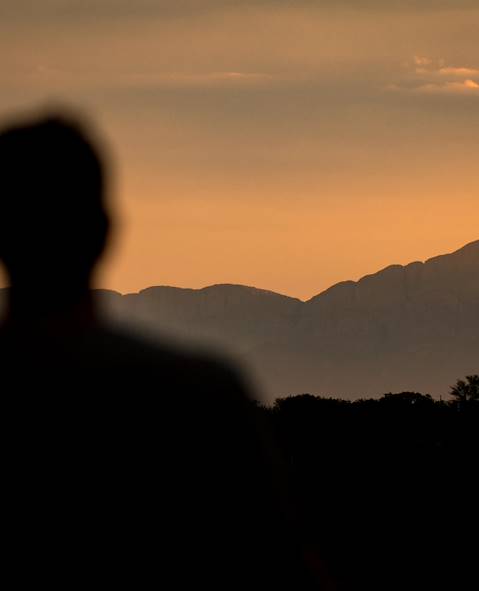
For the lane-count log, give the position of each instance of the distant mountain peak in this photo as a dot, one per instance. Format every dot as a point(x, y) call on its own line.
point(236, 287)
point(468, 251)
point(216, 288)
point(472, 248)
point(474, 245)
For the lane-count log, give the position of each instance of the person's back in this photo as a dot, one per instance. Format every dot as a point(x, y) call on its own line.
point(148, 467)
point(127, 462)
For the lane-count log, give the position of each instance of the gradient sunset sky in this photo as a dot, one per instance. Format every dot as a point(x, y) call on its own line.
point(283, 144)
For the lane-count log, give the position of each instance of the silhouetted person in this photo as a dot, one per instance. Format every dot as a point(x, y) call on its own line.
point(126, 463)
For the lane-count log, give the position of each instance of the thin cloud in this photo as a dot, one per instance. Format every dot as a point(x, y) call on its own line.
point(459, 72)
point(425, 75)
point(465, 87)
point(422, 61)
point(57, 78)
point(196, 79)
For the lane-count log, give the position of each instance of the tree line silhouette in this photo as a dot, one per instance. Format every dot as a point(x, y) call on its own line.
point(385, 488)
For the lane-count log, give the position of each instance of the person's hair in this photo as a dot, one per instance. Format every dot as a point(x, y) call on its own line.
point(53, 218)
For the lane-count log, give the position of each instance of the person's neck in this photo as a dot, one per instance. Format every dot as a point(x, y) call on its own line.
point(60, 308)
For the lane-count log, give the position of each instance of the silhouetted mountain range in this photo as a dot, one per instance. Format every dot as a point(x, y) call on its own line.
point(413, 327)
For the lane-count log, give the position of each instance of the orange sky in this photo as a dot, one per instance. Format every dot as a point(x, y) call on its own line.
point(274, 144)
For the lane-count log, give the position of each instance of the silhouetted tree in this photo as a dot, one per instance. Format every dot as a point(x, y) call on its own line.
point(379, 486)
point(466, 391)
point(408, 399)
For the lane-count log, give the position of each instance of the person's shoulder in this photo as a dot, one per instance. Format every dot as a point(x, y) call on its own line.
point(185, 365)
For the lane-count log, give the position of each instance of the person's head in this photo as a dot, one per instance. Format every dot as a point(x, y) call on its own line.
point(53, 218)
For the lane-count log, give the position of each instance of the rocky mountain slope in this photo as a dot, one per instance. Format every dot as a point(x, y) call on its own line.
point(405, 327)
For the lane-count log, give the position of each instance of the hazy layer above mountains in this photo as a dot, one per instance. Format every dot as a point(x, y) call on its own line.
point(404, 328)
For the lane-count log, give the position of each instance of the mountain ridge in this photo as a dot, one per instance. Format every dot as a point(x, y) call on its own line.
point(471, 246)
point(405, 327)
